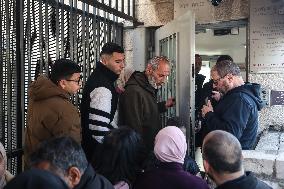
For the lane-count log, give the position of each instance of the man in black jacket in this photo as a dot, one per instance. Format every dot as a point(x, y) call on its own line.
point(222, 160)
point(99, 100)
point(65, 158)
point(237, 111)
point(138, 107)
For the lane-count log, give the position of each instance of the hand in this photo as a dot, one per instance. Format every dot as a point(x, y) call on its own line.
point(170, 102)
point(207, 108)
point(216, 95)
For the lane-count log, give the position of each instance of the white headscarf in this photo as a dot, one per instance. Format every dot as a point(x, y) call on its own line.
point(170, 145)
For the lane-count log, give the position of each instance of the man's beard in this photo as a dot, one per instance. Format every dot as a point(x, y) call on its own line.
point(153, 82)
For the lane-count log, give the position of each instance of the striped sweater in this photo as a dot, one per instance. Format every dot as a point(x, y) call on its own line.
point(98, 107)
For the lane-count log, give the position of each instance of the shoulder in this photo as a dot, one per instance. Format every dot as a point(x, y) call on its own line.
point(262, 185)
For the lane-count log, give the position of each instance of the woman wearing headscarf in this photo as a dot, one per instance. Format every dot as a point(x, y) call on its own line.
point(170, 149)
point(5, 175)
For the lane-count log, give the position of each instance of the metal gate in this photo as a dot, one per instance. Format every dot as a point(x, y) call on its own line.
point(34, 33)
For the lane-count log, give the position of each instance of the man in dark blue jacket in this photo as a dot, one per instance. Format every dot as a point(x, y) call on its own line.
point(237, 111)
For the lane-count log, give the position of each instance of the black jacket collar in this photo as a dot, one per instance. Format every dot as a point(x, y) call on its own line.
point(107, 72)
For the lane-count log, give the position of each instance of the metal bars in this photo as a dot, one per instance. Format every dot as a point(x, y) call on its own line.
point(34, 33)
point(168, 49)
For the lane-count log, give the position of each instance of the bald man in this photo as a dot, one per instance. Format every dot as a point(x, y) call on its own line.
point(223, 162)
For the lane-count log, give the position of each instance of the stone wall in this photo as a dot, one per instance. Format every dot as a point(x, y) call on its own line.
point(267, 160)
point(154, 12)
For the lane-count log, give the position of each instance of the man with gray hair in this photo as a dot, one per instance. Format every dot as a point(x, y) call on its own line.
point(138, 107)
point(223, 162)
point(237, 111)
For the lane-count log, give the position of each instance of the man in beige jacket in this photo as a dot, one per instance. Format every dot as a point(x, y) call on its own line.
point(50, 112)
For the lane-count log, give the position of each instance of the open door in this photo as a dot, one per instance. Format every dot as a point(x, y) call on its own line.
point(176, 40)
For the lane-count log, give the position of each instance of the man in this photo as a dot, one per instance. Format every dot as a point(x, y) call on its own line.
point(36, 179)
point(237, 111)
point(199, 79)
point(138, 103)
point(50, 112)
point(207, 92)
point(65, 158)
point(222, 160)
point(99, 100)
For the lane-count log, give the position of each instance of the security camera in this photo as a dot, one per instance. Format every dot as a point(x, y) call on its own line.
point(215, 2)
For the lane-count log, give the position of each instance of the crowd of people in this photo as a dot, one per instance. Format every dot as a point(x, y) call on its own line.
point(115, 140)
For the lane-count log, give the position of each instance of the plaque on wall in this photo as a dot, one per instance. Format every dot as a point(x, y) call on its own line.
point(266, 36)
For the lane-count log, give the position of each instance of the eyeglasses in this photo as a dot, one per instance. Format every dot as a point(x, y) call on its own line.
point(77, 81)
point(215, 82)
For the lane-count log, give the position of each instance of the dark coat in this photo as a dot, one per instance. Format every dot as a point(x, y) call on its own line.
point(92, 180)
point(98, 107)
point(36, 179)
point(237, 113)
point(138, 108)
point(247, 181)
point(50, 114)
point(169, 176)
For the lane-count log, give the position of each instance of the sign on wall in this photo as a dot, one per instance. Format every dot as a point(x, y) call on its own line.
point(266, 36)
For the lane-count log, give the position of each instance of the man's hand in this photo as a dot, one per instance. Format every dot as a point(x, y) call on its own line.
point(207, 108)
point(170, 102)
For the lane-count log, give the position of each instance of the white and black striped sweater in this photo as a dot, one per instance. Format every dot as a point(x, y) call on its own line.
point(98, 106)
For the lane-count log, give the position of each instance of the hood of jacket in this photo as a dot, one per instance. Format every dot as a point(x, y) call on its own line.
point(253, 90)
point(140, 78)
point(44, 88)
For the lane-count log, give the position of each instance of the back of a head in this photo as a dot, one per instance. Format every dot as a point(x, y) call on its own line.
point(226, 67)
point(110, 48)
point(121, 156)
point(63, 69)
point(36, 179)
point(170, 145)
point(222, 151)
point(224, 57)
point(62, 153)
point(176, 121)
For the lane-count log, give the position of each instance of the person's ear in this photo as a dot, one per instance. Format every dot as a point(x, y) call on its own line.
point(206, 166)
point(74, 176)
point(149, 69)
point(104, 59)
point(62, 84)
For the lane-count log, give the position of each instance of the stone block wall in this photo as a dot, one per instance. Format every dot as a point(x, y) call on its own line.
point(267, 160)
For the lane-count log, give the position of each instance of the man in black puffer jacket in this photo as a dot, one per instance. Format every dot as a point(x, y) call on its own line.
point(99, 100)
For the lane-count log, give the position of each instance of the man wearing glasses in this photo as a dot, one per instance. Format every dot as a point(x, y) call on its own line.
point(50, 112)
point(237, 111)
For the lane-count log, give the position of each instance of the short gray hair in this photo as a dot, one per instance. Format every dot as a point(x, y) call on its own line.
point(225, 67)
point(154, 62)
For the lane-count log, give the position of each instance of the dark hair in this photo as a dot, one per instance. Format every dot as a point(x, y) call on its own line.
point(225, 57)
point(110, 48)
point(176, 121)
point(226, 67)
point(122, 155)
point(63, 69)
point(62, 153)
point(222, 151)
